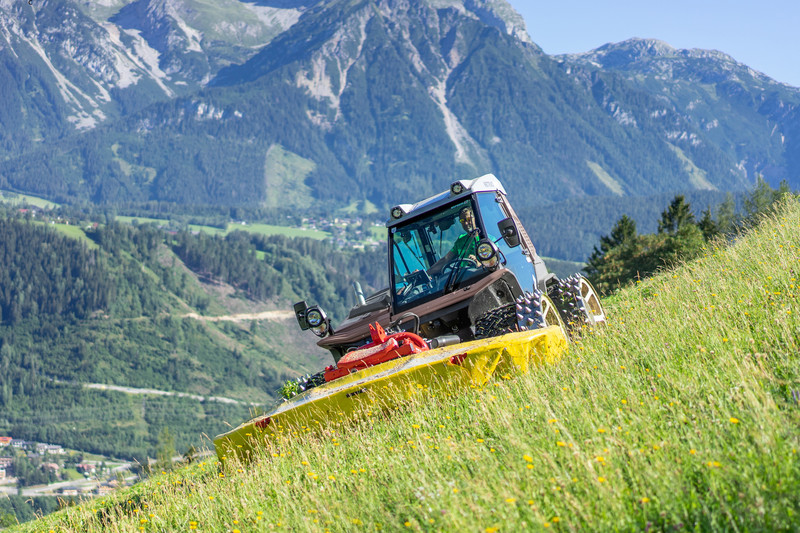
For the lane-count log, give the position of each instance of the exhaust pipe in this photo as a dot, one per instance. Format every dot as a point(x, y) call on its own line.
point(359, 293)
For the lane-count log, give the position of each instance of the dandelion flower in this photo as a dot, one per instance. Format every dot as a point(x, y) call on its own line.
point(734, 420)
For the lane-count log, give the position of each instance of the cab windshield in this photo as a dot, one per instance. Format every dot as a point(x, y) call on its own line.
point(435, 255)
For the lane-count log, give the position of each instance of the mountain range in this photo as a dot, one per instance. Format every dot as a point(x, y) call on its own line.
point(300, 103)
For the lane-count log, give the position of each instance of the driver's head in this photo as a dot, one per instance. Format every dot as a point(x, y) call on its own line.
point(467, 219)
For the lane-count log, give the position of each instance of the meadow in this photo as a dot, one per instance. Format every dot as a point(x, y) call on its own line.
point(682, 414)
point(26, 200)
point(257, 228)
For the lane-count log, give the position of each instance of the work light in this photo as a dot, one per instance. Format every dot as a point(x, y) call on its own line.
point(456, 188)
point(487, 253)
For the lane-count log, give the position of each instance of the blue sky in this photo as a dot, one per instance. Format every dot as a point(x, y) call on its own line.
point(764, 35)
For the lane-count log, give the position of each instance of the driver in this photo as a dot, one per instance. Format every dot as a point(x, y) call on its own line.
point(465, 246)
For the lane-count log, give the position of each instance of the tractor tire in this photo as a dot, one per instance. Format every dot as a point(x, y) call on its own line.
point(496, 322)
point(530, 311)
point(577, 303)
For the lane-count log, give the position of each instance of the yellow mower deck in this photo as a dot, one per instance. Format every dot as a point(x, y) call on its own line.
point(383, 386)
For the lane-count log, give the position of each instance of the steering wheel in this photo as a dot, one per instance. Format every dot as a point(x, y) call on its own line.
point(455, 262)
point(415, 281)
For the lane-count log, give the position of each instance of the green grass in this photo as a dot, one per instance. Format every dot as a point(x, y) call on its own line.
point(267, 229)
point(263, 229)
point(680, 415)
point(73, 232)
point(284, 178)
point(258, 229)
point(18, 199)
point(378, 233)
point(141, 220)
point(364, 207)
point(72, 474)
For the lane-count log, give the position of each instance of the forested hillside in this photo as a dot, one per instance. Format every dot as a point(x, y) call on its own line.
point(117, 305)
point(45, 274)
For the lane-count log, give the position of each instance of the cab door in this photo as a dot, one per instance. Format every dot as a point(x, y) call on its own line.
point(491, 212)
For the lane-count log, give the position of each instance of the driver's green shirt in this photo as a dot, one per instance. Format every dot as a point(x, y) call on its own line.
point(466, 245)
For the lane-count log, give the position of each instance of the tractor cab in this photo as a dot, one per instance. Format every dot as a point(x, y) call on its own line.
point(452, 241)
point(461, 267)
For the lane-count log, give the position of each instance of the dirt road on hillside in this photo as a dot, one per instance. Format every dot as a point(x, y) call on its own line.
point(133, 390)
point(265, 315)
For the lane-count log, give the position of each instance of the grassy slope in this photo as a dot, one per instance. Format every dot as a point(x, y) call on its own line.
point(21, 199)
point(258, 229)
point(678, 415)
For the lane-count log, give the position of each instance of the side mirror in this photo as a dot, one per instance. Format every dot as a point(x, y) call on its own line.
point(300, 314)
point(508, 230)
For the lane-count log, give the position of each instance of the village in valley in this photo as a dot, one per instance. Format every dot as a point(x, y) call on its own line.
point(345, 232)
point(39, 469)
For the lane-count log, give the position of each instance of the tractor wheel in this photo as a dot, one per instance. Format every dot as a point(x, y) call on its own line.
point(529, 311)
point(578, 303)
point(496, 322)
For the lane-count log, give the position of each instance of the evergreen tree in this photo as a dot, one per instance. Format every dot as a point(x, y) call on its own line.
point(678, 214)
point(707, 225)
point(760, 198)
point(166, 450)
point(625, 256)
point(623, 232)
point(726, 215)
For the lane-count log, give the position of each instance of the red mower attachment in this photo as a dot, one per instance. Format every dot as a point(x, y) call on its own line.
point(382, 348)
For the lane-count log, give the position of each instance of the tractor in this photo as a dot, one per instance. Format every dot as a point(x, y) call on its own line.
point(461, 268)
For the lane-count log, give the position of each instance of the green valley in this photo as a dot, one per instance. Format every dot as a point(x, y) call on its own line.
point(135, 307)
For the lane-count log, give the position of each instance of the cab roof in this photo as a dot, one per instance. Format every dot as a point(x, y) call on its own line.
point(485, 183)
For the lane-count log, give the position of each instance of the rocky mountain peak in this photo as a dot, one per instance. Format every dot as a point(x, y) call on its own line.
point(622, 54)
